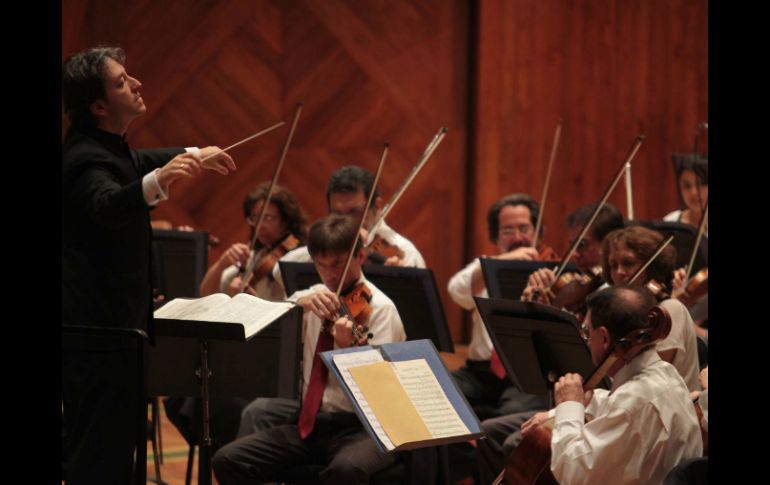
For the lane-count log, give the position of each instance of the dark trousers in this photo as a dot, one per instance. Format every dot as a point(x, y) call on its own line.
point(338, 443)
point(503, 436)
point(99, 417)
point(185, 413)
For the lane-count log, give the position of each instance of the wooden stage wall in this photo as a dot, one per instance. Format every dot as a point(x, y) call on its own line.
point(498, 74)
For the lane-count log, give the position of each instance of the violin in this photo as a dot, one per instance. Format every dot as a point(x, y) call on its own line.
point(266, 259)
point(571, 289)
point(355, 305)
point(379, 250)
point(695, 289)
point(530, 461)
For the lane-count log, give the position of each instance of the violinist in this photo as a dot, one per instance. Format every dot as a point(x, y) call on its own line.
point(642, 428)
point(588, 254)
point(334, 436)
point(511, 226)
point(692, 178)
point(284, 228)
point(622, 251)
point(346, 194)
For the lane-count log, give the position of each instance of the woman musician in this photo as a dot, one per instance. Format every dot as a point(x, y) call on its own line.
point(284, 228)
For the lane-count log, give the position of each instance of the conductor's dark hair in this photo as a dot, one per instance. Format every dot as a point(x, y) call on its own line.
point(83, 82)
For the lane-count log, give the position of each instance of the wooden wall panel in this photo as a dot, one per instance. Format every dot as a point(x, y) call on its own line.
point(611, 69)
point(367, 72)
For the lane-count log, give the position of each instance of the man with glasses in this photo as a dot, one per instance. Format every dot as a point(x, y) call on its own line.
point(642, 427)
point(284, 225)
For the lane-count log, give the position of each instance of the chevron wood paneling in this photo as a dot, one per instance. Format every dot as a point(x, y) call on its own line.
point(611, 69)
point(367, 72)
point(376, 70)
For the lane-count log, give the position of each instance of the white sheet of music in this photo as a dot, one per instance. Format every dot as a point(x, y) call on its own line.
point(429, 399)
point(353, 359)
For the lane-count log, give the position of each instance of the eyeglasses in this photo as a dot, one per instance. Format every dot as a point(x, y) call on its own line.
point(581, 245)
point(254, 218)
point(585, 332)
point(524, 230)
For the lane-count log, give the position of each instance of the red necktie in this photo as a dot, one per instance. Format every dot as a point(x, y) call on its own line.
point(316, 386)
point(496, 365)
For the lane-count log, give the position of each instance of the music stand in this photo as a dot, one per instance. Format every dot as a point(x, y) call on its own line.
point(536, 343)
point(507, 278)
point(684, 239)
point(188, 361)
point(413, 291)
point(180, 260)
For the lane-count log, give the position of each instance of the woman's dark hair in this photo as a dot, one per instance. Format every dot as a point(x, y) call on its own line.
point(287, 204)
point(643, 242)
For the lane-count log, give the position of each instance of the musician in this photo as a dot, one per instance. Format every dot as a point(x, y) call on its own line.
point(335, 437)
point(692, 178)
point(623, 252)
point(511, 226)
point(346, 194)
point(642, 427)
point(108, 190)
point(283, 218)
point(588, 253)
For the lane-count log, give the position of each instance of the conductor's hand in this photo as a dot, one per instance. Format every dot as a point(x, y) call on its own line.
point(323, 302)
point(184, 165)
point(219, 161)
point(570, 388)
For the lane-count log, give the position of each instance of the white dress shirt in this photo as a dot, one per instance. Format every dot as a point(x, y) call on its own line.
point(641, 429)
point(384, 323)
point(459, 288)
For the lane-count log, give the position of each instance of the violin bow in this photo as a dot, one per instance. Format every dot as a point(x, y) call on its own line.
point(434, 143)
point(363, 218)
point(701, 229)
point(253, 259)
point(554, 147)
point(631, 154)
point(255, 135)
point(659, 250)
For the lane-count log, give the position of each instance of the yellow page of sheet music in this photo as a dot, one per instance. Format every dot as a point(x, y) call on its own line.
point(390, 403)
point(352, 359)
point(429, 398)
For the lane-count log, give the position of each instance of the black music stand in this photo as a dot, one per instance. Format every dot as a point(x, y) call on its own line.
point(507, 278)
point(179, 262)
point(536, 343)
point(684, 239)
point(413, 291)
point(191, 360)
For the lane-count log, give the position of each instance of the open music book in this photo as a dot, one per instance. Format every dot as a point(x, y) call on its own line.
point(403, 395)
point(240, 317)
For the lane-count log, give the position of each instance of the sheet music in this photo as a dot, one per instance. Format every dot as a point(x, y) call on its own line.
point(353, 359)
point(429, 399)
point(251, 312)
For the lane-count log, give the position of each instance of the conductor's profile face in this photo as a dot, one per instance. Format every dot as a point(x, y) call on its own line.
point(123, 99)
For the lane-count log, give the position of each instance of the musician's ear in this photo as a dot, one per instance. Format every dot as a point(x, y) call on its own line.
point(604, 338)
